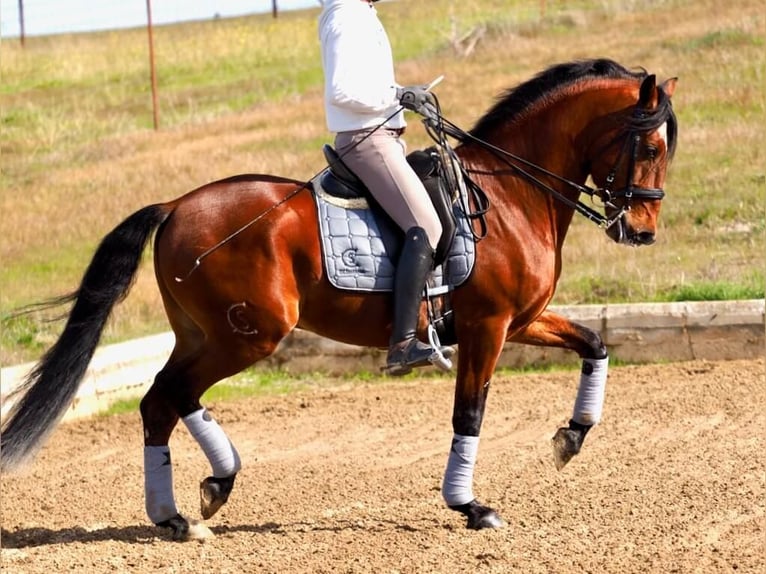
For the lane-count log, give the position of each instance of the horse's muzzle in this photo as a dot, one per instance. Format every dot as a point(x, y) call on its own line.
point(642, 238)
point(622, 233)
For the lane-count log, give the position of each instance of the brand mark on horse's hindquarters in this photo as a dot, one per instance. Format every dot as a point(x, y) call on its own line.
point(238, 320)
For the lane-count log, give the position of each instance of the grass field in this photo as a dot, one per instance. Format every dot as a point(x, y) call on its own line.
point(78, 152)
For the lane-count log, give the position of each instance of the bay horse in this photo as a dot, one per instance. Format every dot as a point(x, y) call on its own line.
point(531, 154)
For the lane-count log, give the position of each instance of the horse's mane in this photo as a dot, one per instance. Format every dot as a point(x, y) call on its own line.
point(515, 101)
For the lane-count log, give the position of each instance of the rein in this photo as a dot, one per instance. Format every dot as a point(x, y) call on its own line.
point(439, 126)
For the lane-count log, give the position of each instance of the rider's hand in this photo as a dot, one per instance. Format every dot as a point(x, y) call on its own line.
point(418, 99)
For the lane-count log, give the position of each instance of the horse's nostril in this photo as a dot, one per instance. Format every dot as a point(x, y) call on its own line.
point(644, 237)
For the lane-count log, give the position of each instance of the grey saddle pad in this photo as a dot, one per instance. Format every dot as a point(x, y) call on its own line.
point(354, 247)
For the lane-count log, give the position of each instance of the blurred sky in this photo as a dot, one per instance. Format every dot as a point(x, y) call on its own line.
point(42, 17)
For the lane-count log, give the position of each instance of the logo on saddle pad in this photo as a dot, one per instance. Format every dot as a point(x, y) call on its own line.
point(349, 258)
point(357, 246)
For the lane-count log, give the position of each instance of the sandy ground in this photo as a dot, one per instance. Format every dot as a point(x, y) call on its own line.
point(345, 478)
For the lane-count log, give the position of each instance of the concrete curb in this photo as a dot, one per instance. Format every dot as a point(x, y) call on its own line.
point(646, 332)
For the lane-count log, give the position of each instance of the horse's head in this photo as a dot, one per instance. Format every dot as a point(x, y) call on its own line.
point(631, 167)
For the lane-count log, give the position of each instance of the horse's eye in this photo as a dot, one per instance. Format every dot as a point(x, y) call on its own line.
point(652, 152)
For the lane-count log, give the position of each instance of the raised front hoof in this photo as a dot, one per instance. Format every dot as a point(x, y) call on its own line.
point(182, 530)
point(213, 494)
point(567, 442)
point(479, 517)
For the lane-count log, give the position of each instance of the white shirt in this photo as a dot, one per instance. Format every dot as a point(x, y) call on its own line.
point(360, 89)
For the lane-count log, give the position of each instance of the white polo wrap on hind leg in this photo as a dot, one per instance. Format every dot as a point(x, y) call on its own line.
point(217, 447)
point(158, 484)
point(457, 487)
point(590, 393)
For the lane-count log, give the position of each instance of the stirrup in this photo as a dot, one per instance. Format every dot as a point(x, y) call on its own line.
point(441, 355)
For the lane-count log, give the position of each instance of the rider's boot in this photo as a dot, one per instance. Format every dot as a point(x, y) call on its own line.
point(406, 351)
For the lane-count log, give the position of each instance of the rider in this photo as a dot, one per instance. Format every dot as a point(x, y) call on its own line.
point(363, 106)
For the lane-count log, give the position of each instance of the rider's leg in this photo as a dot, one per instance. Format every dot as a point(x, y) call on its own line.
point(379, 159)
point(415, 262)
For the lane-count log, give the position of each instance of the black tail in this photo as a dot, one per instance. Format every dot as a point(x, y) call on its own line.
point(52, 385)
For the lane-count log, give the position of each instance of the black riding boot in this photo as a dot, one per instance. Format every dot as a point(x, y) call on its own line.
point(415, 263)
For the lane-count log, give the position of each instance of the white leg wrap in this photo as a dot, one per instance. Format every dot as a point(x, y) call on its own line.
point(590, 394)
point(457, 487)
point(217, 447)
point(158, 484)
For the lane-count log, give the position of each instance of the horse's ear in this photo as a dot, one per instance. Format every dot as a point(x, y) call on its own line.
point(669, 86)
point(646, 96)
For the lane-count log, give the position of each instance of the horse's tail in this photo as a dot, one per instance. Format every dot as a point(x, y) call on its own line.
point(52, 385)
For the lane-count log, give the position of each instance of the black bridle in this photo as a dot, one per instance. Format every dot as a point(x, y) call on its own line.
point(437, 126)
point(630, 149)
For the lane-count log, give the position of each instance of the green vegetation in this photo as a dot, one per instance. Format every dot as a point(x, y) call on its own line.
point(249, 383)
point(717, 291)
point(255, 382)
point(78, 153)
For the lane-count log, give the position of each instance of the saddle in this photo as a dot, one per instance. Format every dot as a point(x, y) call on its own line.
point(339, 181)
point(361, 243)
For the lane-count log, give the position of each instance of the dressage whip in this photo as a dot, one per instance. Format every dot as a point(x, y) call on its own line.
point(289, 196)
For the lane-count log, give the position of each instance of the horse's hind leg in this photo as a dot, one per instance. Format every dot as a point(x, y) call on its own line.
point(159, 419)
point(176, 394)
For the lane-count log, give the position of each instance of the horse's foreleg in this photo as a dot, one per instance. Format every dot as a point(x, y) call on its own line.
point(478, 357)
point(589, 404)
point(552, 330)
point(458, 485)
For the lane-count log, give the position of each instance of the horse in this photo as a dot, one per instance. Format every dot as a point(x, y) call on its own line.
point(531, 154)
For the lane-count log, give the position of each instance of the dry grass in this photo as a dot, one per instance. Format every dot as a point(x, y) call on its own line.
point(244, 96)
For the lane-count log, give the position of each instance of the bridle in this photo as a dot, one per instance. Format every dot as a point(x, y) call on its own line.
point(438, 126)
point(630, 149)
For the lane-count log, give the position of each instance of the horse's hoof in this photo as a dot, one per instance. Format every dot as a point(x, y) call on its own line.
point(567, 442)
point(178, 525)
point(213, 494)
point(199, 531)
point(479, 517)
point(183, 530)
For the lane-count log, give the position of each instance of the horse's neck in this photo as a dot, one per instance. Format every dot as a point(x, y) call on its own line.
point(550, 139)
point(543, 142)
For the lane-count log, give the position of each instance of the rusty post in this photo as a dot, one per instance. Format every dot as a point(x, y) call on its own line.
point(155, 111)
